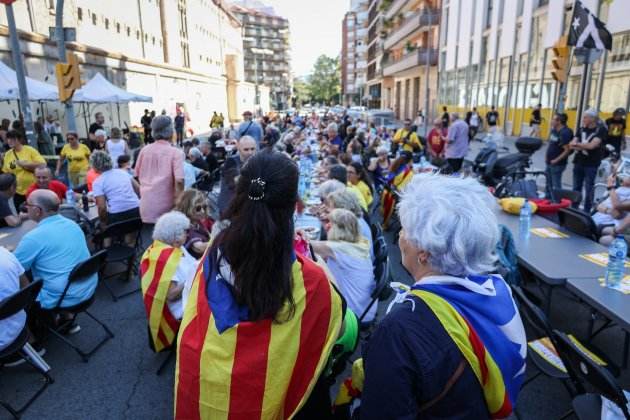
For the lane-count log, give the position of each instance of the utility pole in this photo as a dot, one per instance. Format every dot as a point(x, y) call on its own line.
point(61, 52)
point(427, 69)
point(25, 106)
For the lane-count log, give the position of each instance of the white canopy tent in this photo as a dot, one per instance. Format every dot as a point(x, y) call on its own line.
point(37, 91)
point(99, 90)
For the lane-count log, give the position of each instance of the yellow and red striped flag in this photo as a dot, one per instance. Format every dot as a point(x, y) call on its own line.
point(231, 368)
point(157, 268)
point(396, 182)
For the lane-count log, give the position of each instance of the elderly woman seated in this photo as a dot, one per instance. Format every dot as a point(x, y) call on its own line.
point(343, 199)
point(194, 204)
point(167, 271)
point(347, 254)
point(456, 328)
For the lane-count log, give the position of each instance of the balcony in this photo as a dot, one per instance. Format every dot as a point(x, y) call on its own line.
point(416, 58)
point(395, 6)
point(411, 25)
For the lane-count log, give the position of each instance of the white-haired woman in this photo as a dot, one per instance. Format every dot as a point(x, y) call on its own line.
point(115, 192)
point(167, 271)
point(454, 345)
point(343, 199)
point(347, 254)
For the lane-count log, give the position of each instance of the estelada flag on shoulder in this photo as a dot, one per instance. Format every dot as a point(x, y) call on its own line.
point(586, 31)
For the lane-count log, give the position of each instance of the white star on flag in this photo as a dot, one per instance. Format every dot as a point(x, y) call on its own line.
point(576, 23)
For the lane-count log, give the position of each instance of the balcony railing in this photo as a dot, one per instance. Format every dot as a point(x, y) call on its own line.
point(419, 57)
point(410, 25)
point(394, 8)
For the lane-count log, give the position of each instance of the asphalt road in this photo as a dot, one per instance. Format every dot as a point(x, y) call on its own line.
point(120, 381)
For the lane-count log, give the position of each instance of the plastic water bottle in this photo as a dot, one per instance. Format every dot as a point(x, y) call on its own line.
point(423, 162)
point(70, 197)
point(617, 252)
point(302, 186)
point(525, 219)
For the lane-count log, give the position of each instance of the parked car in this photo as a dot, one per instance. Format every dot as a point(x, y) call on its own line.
point(384, 117)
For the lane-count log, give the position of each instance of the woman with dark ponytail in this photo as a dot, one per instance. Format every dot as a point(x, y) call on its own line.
point(260, 321)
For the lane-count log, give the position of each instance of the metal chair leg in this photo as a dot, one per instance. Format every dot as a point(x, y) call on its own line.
point(85, 355)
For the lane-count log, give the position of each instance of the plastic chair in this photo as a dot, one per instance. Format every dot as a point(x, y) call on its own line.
point(81, 272)
point(120, 252)
point(578, 222)
point(11, 305)
point(588, 405)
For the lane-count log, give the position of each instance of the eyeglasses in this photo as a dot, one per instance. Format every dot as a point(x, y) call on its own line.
point(201, 207)
point(32, 205)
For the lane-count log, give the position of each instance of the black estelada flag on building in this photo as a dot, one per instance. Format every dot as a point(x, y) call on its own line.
point(587, 31)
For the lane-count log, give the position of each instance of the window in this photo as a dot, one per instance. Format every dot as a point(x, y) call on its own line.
point(153, 40)
point(93, 18)
point(128, 31)
point(79, 13)
point(118, 27)
point(106, 23)
point(137, 34)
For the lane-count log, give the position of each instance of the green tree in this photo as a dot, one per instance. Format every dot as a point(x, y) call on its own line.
point(301, 92)
point(324, 81)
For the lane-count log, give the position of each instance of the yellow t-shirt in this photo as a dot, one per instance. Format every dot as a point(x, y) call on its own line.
point(365, 192)
point(78, 159)
point(357, 192)
point(24, 177)
point(412, 140)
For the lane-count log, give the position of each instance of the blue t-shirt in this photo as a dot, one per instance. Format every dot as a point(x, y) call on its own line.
point(557, 140)
point(251, 128)
point(51, 251)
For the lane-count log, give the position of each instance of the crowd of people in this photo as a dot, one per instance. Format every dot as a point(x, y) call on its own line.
point(229, 279)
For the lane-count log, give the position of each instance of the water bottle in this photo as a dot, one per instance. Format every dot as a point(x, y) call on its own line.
point(302, 186)
point(423, 162)
point(70, 197)
point(525, 219)
point(617, 252)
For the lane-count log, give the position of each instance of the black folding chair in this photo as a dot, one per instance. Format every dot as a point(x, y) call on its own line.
point(578, 222)
point(588, 406)
point(120, 252)
point(574, 196)
point(81, 273)
point(9, 306)
point(381, 288)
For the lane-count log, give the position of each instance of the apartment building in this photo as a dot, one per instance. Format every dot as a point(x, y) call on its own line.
point(354, 54)
point(500, 52)
point(410, 34)
point(186, 54)
point(267, 51)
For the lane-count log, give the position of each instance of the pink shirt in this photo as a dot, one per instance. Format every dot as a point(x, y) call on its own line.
point(159, 166)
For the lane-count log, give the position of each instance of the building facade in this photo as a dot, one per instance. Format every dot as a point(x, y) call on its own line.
point(186, 54)
point(354, 54)
point(374, 54)
point(410, 33)
point(266, 50)
point(500, 52)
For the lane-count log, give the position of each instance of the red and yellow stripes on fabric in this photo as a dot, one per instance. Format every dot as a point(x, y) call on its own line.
point(255, 370)
point(157, 268)
point(473, 349)
point(388, 199)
